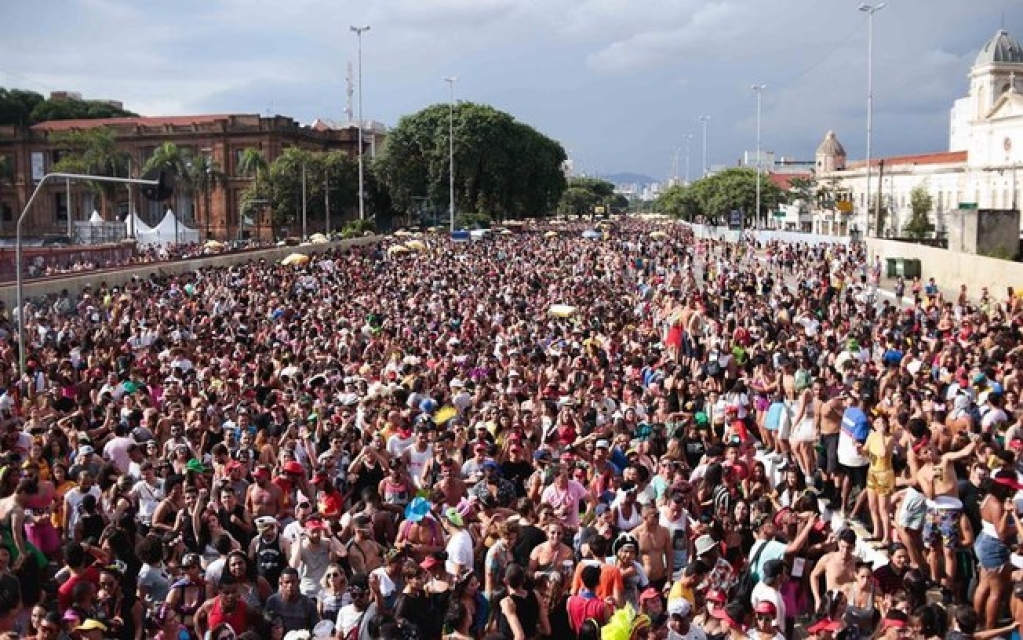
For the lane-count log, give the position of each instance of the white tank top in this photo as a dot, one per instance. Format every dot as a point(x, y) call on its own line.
point(417, 462)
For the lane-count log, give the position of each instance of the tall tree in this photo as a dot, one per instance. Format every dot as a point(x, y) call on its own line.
point(93, 152)
point(718, 194)
point(502, 167)
point(921, 203)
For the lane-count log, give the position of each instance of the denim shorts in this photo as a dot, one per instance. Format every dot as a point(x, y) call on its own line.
point(991, 552)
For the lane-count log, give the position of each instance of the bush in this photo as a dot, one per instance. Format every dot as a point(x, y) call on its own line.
point(358, 228)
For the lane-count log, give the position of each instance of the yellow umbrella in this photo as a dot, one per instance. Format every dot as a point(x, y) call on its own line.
point(398, 249)
point(318, 238)
point(506, 232)
point(658, 235)
point(295, 259)
point(433, 229)
point(416, 245)
point(445, 414)
point(562, 310)
point(402, 234)
point(214, 244)
point(551, 234)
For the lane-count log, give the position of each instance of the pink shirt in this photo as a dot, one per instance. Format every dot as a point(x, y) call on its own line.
point(566, 501)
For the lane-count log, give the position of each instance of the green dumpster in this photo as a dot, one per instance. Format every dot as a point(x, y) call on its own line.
point(889, 270)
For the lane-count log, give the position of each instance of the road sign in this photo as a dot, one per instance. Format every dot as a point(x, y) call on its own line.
point(968, 205)
point(735, 219)
point(845, 206)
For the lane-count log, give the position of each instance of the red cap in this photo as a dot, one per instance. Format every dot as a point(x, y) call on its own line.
point(429, 563)
point(234, 464)
point(766, 607)
point(319, 477)
point(824, 624)
point(649, 594)
point(315, 524)
point(261, 472)
point(717, 595)
point(293, 466)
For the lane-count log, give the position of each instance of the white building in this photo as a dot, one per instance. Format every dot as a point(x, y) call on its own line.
point(980, 167)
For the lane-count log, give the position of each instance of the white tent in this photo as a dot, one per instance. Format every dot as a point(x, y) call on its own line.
point(95, 217)
point(169, 231)
point(136, 226)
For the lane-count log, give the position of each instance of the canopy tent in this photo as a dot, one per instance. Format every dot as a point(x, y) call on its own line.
point(95, 217)
point(169, 231)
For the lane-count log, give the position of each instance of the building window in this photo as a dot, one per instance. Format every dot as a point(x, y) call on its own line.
point(238, 153)
point(6, 212)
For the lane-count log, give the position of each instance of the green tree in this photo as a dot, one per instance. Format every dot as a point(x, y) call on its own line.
point(679, 201)
point(804, 189)
point(503, 168)
point(920, 202)
point(252, 164)
point(725, 191)
point(93, 152)
point(601, 193)
point(16, 106)
point(72, 109)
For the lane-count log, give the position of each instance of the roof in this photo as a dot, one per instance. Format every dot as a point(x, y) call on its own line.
point(831, 146)
point(1000, 49)
point(944, 157)
point(784, 180)
point(179, 121)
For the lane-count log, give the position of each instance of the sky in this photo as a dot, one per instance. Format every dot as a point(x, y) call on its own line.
point(620, 83)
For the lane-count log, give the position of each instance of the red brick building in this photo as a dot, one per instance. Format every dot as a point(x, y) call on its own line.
point(30, 154)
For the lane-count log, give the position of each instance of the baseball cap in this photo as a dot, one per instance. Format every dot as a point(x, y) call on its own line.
point(91, 625)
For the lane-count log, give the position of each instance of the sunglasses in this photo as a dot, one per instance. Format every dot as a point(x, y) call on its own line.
point(357, 594)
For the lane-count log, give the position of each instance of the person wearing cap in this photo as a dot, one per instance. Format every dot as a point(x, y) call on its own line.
point(542, 476)
point(625, 550)
point(90, 629)
point(680, 623)
point(269, 550)
point(493, 490)
point(765, 616)
point(722, 574)
point(313, 553)
point(733, 617)
point(460, 544)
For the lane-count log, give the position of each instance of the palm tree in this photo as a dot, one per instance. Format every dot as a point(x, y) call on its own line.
point(252, 164)
point(205, 177)
point(173, 158)
point(93, 152)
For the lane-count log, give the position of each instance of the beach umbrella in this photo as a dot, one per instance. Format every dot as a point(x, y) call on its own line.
point(562, 310)
point(551, 234)
point(592, 234)
point(658, 235)
point(398, 249)
point(295, 259)
point(416, 245)
point(318, 238)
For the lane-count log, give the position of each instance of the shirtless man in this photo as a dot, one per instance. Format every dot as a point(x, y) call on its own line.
point(451, 483)
point(263, 497)
point(655, 548)
point(837, 567)
point(364, 553)
point(939, 484)
point(827, 423)
point(553, 555)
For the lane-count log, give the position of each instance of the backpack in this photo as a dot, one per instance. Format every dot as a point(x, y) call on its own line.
point(747, 580)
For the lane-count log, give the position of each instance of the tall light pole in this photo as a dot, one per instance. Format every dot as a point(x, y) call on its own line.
point(704, 120)
point(689, 139)
point(870, 10)
point(451, 80)
point(759, 88)
point(358, 31)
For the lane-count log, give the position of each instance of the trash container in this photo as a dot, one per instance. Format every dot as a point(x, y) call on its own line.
point(911, 268)
point(900, 267)
point(889, 269)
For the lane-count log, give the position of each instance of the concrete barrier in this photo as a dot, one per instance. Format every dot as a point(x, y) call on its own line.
point(950, 268)
point(75, 282)
point(704, 232)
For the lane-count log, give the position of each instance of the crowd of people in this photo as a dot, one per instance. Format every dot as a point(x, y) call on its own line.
point(527, 436)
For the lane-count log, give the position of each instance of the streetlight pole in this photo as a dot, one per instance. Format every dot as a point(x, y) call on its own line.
point(18, 275)
point(704, 120)
point(451, 148)
point(689, 139)
point(759, 88)
point(358, 31)
point(870, 10)
point(304, 201)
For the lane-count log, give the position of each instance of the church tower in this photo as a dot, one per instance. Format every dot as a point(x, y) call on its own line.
point(997, 69)
point(830, 155)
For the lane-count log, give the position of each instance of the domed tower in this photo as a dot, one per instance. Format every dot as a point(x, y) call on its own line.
point(830, 155)
point(997, 69)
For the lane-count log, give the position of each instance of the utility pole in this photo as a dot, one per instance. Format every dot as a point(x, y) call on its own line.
point(759, 88)
point(451, 149)
point(304, 236)
point(704, 120)
point(358, 31)
point(688, 138)
point(870, 10)
point(326, 203)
